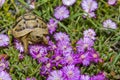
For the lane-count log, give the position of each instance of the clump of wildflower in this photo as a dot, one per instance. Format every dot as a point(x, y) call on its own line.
point(68, 2)
point(61, 12)
point(109, 24)
point(4, 40)
point(52, 25)
point(112, 2)
point(63, 44)
point(38, 52)
point(84, 77)
point(4, 76)
point(3, 64)
point(18, 46)
point(88, 56)
point(56, 75)
point(89, 6)
point(71, 72)
point(90, 33)
point(2, 2)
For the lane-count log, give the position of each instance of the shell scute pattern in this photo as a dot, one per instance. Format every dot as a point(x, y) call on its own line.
point(30, 28)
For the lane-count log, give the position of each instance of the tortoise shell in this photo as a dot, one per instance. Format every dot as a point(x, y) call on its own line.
point(30, 28)
point(27, 23)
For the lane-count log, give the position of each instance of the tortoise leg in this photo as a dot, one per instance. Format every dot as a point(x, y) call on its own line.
point(25, 43)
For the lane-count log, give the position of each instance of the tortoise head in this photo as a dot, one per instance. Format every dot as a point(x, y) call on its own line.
point(38, 36)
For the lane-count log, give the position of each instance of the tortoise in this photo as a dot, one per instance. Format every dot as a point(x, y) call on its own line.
point(30, 29)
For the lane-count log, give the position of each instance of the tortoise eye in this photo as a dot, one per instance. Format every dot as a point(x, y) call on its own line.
point(39, 37)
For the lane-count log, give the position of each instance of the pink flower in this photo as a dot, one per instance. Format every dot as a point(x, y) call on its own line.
point(68, 2)
point(56, 75)
point(84, 44)
point(61, 12)
point(3, 64)
point(60, 36)
point(18, 46)
point(109, 24)
point(4, 76)
point(38, 52)
point(84, 77)
point(52, 25)
point(71, 72)
point(4, 40)
point(2, 2)
point(100, 76)
point(112, 2)
point(90, 33)
point(89, 6)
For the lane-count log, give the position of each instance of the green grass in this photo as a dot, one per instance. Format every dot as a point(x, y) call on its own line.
point(74, 26)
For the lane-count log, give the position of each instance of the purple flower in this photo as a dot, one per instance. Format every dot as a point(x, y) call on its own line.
point(71, 72)
point(3, 64)
point(4, 40)
point(4, 76)
point(52, 25)
point(68, 2)
point(89, 6)
point(84, 77)
point(38, 52)
point(60, 36)
point(84, 44)
point(30, 78)
point(90, 33)
point(46, 68)
point(112, 2)
point(61, 12)
point(84, 58)
point(52, 46)
point(94, 55)
point(2, 2)
point(109, 24)
point(100, 76)
point(18, 45)
point(64, 48)
point(57, 59)
point(56, 75)
point(69, 59)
